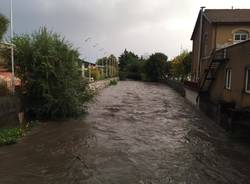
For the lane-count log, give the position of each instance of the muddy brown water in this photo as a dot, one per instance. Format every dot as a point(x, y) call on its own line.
point(135, 133)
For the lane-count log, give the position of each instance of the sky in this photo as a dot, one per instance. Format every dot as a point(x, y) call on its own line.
point(98, 28)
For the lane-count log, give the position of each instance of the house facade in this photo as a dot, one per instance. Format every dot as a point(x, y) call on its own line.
point(221, 56)
point(6, 75)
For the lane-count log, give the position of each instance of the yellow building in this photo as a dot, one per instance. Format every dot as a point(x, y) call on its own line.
point(221, 58)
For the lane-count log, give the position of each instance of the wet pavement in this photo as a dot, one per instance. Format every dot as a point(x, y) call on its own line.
point(134, 133)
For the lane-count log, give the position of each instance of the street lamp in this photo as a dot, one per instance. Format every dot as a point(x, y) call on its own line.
point(12, 47)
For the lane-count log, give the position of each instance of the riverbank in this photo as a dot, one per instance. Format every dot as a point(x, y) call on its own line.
point(11, 130)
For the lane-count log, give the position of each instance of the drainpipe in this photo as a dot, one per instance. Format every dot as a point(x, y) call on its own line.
point(200, 44)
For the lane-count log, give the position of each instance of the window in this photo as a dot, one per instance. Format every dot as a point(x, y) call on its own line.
point(247, 89)
point(240, 36)
point(228, 78)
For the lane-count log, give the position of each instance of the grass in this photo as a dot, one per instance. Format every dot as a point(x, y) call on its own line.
point(10, 136)
point(113, 82)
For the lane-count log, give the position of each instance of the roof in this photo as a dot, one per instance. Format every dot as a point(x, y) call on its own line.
point(233, 45)
point(7, 76)
point(224, 16)
point(228, 15)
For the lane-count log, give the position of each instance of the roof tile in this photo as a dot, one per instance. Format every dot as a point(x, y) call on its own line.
point(228, 15)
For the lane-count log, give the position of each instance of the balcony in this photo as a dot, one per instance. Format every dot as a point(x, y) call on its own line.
point(220, 55)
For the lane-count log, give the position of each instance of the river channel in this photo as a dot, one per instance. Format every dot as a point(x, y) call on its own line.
point(134, 133)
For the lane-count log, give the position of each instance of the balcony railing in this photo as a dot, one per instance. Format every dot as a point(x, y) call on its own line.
point(221, 54)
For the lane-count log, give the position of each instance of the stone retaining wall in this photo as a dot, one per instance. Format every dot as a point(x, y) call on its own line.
point(99, 85)
point(9, 109)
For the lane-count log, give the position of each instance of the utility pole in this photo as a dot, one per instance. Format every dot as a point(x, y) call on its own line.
point(12, 47)
point(89, 73)
point(107, 67)
point(111, 67)
point(102, 69)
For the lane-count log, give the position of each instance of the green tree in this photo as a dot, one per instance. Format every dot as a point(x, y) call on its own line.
point(113, 65)
point(50, 70)
point(129, 66)
point(95, 73)
point(4, 22)
point(181, 66)
point(110, 65)
point(156, 67)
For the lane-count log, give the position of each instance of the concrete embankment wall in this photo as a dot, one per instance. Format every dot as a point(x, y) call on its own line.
point(179, 87)
point(176, 85)
point(203, 104)
point(9, 109)
point(99, 85)
point(191, 95)
point(209, 108)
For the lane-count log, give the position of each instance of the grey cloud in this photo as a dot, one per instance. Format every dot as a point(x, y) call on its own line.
point(113, 24)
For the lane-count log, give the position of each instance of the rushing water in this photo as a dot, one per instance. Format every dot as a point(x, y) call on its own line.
point(135, 133)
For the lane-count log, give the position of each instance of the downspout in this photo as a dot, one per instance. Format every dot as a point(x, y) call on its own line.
point(215, 38)
point(200, 45)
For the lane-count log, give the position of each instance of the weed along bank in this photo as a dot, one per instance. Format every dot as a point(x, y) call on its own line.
point(221, 64)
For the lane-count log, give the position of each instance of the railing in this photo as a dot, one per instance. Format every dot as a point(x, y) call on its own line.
point(192, 85)
point(220, 54)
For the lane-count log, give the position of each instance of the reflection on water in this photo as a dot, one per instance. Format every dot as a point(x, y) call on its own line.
point(135, 133)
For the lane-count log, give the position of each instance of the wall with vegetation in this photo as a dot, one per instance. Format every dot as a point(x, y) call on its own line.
point(9, 108)
point(99, 85)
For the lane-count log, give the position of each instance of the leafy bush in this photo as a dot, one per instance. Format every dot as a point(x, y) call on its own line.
point(50, 71)
point(3, 25)
point(113, 82)
point(10, 135)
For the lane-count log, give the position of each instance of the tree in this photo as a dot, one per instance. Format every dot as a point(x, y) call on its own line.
point(110, 65)
point(50, 70)
point(181, 66)
point(129, 66)
point(156, 67)
point(4, 22)
point(95, 73)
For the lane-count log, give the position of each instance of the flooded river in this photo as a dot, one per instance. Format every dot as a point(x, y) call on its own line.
point(134, 133)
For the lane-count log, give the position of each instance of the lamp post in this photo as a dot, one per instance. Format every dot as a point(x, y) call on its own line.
point(12, 47)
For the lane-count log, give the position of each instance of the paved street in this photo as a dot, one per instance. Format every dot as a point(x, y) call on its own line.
point(134, 133)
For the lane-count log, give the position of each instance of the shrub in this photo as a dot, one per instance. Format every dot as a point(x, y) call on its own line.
point(50, 70)
point(113, 82)
point(10, 135)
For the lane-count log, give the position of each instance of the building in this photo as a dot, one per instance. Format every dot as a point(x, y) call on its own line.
point(5, 74)
point(221, 59)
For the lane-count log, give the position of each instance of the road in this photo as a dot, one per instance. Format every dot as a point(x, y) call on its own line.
point(134, 133)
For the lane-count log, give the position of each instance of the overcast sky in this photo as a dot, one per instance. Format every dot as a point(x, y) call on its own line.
point(142, 26)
